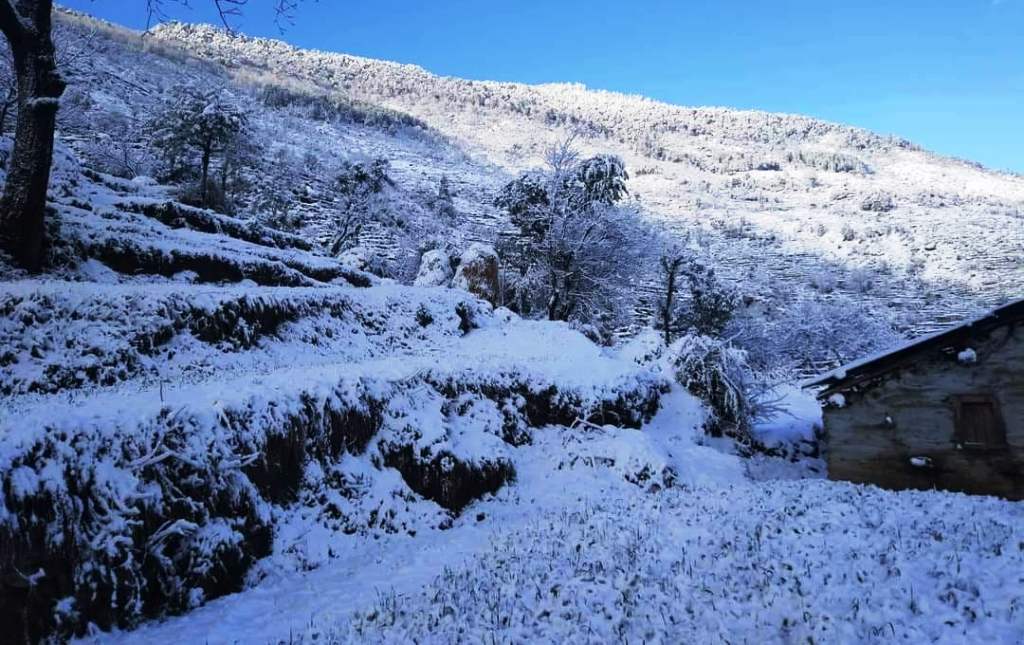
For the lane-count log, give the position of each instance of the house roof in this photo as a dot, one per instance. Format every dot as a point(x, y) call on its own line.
point(892, 359)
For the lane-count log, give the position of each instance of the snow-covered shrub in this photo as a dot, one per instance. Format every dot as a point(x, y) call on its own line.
point(644, 348)
point(442, 202)
point(314, 103)
point(829, 160)
point(141, 507)
point(276, 209)
point(824, 280)
point(717, 373)
point(713, 302)
point(115, 149)
point(861, 280)
point(478, 272)
point(839, 328)
point(878, 202)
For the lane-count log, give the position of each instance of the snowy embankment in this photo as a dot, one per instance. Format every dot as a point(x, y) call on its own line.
point(137, 501)
point(581, 549)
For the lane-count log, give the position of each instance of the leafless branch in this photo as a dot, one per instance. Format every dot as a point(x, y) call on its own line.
point(227, 10)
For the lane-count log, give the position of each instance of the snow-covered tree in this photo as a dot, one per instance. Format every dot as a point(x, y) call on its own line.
point(115, 150)
point(712, 302)
point(574, 246)
point(205, 123)
point(671, 266)
point(27, 27)
point(599, 180)
point(360, 186)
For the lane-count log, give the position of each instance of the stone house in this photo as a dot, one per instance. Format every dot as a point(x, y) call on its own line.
point(944, 411)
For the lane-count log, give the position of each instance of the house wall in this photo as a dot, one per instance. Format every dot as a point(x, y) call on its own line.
point(862, 447)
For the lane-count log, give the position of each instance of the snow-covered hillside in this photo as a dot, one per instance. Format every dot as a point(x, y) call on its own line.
point(218, 425)
point(780, 199)
point(791, 208)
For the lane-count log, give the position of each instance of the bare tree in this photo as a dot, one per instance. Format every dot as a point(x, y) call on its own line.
point(671, 266)
point(27, 26)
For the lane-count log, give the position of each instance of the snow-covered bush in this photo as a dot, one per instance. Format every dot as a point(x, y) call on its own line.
point(861, 280)
point(878, 202)
point(442, 202)
point(829, 160)
point(717, 373)
point(800, 335)
point(478, 272)
point(824, 280)
point(115, 149)
point(141, 507)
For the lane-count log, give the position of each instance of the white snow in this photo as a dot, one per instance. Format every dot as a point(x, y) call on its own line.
point(575, 551)
point(837, 399)
point(967, 356)
point(607, 533)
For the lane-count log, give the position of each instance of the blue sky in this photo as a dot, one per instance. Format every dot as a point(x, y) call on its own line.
point(947, 74)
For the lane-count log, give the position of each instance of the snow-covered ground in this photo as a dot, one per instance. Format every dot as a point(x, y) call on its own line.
point(203, 414)
point(576, 552)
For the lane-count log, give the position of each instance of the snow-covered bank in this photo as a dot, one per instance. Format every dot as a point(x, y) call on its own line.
point(122, 504)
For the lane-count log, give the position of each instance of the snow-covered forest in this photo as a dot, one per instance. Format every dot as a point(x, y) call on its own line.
point(330, 349)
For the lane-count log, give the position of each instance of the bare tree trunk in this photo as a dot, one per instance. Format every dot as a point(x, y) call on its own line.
point(670, 267)
point(206, 175)
point(26, 24)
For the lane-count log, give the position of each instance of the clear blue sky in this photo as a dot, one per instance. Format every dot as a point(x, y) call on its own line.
point(947, 74)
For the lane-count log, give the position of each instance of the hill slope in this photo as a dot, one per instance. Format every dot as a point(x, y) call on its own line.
point(789, 195)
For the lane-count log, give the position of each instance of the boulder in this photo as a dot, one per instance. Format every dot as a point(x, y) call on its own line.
point(435, 269)
point(478, 272)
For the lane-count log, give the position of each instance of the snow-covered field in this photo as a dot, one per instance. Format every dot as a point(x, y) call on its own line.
point(576, 552)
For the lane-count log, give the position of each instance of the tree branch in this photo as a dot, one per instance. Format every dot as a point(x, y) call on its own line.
point(227, 10)
point(11, 23)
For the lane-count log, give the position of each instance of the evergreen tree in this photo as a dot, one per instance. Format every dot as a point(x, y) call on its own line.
point(203, 122)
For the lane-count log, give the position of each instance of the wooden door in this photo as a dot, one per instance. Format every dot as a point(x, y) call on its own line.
point(978, 421)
